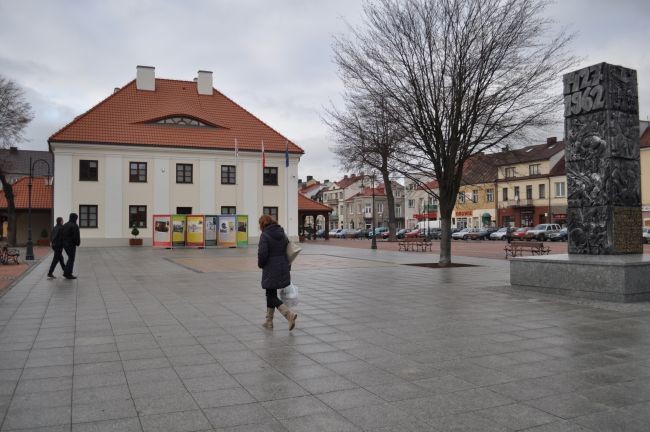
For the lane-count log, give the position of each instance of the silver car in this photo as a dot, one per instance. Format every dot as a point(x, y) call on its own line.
point(646, 235)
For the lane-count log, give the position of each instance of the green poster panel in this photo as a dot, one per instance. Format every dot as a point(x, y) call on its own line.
point(242, 230)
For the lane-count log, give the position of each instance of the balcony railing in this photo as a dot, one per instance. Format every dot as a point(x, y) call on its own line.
point(520, 202)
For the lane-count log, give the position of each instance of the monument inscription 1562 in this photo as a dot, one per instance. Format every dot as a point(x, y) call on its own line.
point(602, 159)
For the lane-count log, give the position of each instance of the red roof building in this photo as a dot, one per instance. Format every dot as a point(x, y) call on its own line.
point(165, 146)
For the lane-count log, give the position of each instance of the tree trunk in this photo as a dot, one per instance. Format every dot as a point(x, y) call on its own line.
point(447, 199)
point(11, 210)
point(388, 187)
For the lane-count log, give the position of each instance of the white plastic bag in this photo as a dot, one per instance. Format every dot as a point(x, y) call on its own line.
point(289, 295)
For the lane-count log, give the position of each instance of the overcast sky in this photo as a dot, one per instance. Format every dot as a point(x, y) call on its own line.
point(272, 57)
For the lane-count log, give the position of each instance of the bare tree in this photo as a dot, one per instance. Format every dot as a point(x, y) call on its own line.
point(460, 76)
point(367, 139)
point(15, 115)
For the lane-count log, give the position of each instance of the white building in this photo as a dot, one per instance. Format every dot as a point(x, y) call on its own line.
point(161, 146)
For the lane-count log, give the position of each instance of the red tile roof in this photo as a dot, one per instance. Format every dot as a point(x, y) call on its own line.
point(124, 118)
point(645, 138)
point(347, 181)
point(367, 192)
point(305, 204)
point(559, 169)
point(41, 194)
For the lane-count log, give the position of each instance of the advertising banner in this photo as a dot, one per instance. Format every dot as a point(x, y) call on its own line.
point(227, 232)
point(162, 231)
point(211, 228)
point(178, 230)
point(194, 237)
point(242, 230)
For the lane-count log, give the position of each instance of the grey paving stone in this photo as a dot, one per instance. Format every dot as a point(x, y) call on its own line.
point(43, 385)
point(47, 372)
point(376, 416)
point(103, 410)
point(97, 368)
point(567, 406)
point(187, 421)
point(517, 416)
point(345, 399)
point(166, 404)
point(209, 383)
point(237, 415)
point(157, 388)
point(30, 418)
point(325, 422)
point(223, 397)
point(45, 399)
point(99, 394)
point(118, 425)
point(99, 380)
point(295, 407)
point(326, 384)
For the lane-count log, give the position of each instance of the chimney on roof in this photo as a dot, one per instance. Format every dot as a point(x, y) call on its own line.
point(145, 78)
point(116, 89)
point(310, 178)
point(551, 140)
point(204, 83)
point(345, 176)
point(13, 149)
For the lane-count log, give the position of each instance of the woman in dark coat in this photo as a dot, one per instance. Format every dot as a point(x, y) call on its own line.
point(272, 259)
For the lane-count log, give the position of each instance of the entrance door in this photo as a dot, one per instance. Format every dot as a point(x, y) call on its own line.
point(184, 210)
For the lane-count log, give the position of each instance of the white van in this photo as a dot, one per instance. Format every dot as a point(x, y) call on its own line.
point(427, 227)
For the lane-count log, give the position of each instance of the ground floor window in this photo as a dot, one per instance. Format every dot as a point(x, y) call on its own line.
point(526, 218)
point(228, 210)
point(509, 221)
point(137, 216)
point(461, 223)
point(87, 216)
point(183, 210)
point(271, 211)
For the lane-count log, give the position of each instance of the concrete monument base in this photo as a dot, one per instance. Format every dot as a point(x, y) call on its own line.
point(619, 278)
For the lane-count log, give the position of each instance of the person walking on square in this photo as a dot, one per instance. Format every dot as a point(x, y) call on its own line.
point(509, 234)
point(56, 239)
point(71, 239)
point(276, 271)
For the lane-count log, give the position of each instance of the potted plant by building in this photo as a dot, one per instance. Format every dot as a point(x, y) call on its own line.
point(135, 241)
point(43, 240)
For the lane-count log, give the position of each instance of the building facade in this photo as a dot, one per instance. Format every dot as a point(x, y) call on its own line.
point(159, 146)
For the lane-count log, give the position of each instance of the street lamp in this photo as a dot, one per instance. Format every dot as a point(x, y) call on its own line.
point(373, 242)
point(29, 254)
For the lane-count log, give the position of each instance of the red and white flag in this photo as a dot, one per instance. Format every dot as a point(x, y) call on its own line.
point(263, 156)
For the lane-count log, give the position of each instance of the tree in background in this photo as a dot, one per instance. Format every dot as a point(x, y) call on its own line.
point(459, 76)
point(15, 115)
point(367, 140)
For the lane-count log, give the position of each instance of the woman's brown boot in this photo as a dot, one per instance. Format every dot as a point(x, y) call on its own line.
point(290, 316)
point(269, 319)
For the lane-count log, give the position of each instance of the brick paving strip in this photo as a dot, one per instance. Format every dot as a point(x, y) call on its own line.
point(9, 273)
point(171, 340)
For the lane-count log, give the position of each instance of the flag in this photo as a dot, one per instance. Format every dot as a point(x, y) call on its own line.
point(236, 149)
point(286, 153)
point(263, 156)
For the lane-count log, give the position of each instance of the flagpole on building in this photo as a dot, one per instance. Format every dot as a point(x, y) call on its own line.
point(286, 172)
point(237, 210)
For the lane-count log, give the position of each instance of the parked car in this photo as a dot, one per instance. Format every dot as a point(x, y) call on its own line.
point(413, 233)
point(646, 235)
point(320, 233)
point(385, 234)
point(434, 233)
point(499, 234)
point(401, 233)
point(520, 233)
point(478, 234)
point(561, 235)
point(353, 233)
point(364, 233)
point(378, 231)
point(458, 235)
point(334, 232)
point(541, 232)
point(344, 233)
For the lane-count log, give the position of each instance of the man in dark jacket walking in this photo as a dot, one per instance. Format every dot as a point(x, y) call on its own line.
point(71, 239)
point(56, 239)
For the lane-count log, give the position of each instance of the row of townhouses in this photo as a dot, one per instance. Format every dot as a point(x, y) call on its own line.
point(521, 187)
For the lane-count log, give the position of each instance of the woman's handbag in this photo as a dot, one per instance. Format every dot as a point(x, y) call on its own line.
point(292, 251)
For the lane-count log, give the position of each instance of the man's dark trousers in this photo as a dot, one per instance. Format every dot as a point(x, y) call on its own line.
point(57, 259)
point(70, 251)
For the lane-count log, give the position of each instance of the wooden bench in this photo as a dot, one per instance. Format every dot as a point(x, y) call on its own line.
point(9, 255)
point(414, 244)
point(517, 248)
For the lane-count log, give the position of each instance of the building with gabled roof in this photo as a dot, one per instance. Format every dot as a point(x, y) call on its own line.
point(41, 204)
point(163, 146)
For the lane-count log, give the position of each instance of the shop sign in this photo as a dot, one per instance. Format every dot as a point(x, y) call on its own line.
point(463, 213)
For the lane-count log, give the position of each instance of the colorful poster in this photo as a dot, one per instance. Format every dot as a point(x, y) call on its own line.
point(178, 230)
point(227, 231)
point(162, 231)
point(194, 231)
point(211, 228)
point(242, 230)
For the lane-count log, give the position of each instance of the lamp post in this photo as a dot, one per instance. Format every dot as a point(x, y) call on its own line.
point(29, 253)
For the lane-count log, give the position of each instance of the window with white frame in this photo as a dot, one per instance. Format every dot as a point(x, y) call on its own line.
point(489, 195)
point(368, 209)
point(380, 208)
point(461, 197)
point(351, 209)
point(475, 195)
point(510, 172)
point(560, 189)
point(542, 191)
point(533, 169)
point(398, 210)
point(411, 203)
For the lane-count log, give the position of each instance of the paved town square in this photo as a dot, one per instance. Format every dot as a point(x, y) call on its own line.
point(171, 340)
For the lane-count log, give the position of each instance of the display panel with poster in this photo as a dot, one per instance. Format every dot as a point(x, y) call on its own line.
point(194, 237)
point(162, 232)
point(242, 231)
point(211, 227)
point(227, 232)
point(178, 230)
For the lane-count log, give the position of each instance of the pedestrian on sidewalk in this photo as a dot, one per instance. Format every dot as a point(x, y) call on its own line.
point(56, 241)
point(276, 271)
point(71, 239)
point(509, 234)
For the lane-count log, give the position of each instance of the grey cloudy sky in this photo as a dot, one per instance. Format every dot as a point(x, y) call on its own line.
point(272, 57)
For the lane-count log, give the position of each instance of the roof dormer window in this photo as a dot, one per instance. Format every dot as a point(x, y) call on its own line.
point(181, 121)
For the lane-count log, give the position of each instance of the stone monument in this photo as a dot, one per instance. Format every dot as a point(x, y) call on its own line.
point(605, 259)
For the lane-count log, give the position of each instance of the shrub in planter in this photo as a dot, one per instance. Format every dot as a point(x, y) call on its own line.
point(135, 241)
point(43, 240)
